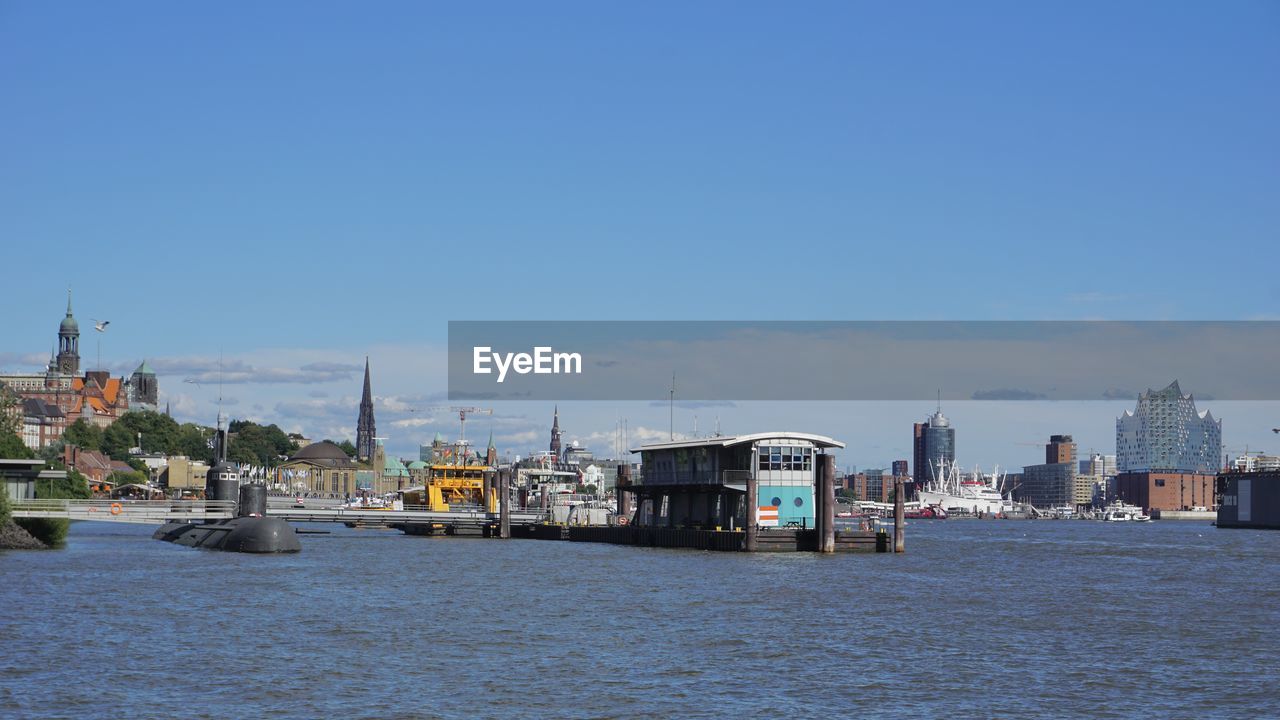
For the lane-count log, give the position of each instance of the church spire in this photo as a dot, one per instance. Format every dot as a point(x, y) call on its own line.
point(555, 433)
point(365, 430)
point(68, 357)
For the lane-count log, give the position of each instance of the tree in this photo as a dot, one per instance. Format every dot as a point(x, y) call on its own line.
point(52, 453)
point(11, 446)
point(132, 477)
point(257, 444)
point(53, 531)
point(4, 508)
point(117, 439)
point(348, 447)
point(158, 432)
point(83, 434)
point(193, 441)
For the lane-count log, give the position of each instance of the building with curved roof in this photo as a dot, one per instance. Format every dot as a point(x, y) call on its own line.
point(321, 468)
point(703, 482)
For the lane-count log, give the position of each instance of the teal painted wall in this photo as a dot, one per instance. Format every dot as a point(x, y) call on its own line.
point(788, 511)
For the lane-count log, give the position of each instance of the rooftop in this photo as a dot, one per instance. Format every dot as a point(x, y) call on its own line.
point(821, 441)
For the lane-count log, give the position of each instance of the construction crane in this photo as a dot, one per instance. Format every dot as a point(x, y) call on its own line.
point(463, 412)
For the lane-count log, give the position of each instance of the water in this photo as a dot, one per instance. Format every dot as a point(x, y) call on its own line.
point(979, 618)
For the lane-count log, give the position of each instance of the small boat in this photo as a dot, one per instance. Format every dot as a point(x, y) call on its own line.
point(1123, 512)
point(931, 512)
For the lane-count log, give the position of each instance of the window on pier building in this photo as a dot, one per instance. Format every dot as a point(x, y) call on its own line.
point(785, 457)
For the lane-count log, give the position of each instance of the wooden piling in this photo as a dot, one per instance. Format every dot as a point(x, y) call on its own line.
point(620, 489)
point(899, 521)
point(751, 511)
point(504, 503)
point(827, 489)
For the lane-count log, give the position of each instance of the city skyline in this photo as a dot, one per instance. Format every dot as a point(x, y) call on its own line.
point(320, 398)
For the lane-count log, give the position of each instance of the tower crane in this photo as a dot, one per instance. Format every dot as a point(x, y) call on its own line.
point(463, 412)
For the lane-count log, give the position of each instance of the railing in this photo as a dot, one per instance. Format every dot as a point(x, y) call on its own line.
point(136, 511)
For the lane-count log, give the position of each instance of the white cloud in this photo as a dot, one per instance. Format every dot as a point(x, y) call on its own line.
point(519, 438)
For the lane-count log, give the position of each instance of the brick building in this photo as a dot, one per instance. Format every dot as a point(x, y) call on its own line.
point(1166, 490)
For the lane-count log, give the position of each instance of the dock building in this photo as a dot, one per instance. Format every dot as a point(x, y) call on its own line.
point(1249, 499)
point(703, 483)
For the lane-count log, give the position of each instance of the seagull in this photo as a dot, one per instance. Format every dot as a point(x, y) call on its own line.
point(101, 325)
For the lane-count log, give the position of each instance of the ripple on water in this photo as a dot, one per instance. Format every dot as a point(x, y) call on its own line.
point(1009, 619)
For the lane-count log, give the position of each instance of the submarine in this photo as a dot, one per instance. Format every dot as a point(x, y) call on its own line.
point(251, 531)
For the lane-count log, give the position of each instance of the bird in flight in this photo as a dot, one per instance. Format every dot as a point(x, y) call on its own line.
point(101, 325)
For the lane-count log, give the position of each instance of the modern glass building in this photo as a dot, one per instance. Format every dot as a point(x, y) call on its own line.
point(934, 448)
point(1165, 433)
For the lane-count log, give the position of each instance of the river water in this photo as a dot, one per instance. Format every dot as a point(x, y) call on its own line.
point(978, 619)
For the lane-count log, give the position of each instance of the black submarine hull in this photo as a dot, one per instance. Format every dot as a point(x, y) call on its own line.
point(241, 534)
point(251, 531)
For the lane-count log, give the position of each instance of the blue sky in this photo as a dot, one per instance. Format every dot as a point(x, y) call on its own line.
point(296, 183)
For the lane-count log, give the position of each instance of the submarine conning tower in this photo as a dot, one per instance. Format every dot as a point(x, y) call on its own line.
point(223, 483)
point(223, 480)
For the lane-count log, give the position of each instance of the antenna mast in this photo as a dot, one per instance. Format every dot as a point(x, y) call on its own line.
point(671, 410)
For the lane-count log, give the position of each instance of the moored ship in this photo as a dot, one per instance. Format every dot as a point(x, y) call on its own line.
point(972, 494)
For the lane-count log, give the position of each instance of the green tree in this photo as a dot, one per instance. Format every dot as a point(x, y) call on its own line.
point(52, 531)
point(257, 444)
point(10, 416)
point(159, 432)
point(11, 446)
point(52, 453)
point(84, 434)
point(117, 439)
point(348, 447)
point(74, 486)
point(132, 477)
point(193, 441)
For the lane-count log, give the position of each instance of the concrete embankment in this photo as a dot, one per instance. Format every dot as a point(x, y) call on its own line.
point(1201, 515)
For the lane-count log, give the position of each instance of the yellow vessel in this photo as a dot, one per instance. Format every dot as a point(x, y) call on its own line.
point(452, 485)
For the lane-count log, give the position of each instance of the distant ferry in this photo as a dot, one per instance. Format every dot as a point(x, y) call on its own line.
point(1122, 512)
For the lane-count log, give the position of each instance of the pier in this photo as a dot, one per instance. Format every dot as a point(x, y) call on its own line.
point(764, 492)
